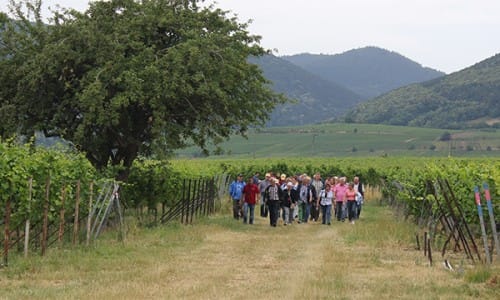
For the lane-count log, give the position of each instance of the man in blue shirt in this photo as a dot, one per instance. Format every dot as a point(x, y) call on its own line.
point(236, 193)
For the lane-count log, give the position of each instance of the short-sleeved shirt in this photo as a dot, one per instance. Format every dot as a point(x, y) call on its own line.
point(340, 191)
point(250, 192)
point(351, 195)
point(326, 197)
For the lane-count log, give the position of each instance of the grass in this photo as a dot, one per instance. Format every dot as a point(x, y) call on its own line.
point(347, 140)
point(219, 258)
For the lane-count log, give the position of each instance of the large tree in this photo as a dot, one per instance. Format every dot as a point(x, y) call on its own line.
point(125, 76)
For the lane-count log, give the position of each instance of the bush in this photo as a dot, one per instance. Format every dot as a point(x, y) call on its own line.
point(446, 136)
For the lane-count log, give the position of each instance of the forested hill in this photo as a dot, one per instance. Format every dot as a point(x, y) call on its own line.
point(368, 71)
point(468, 98)
point(317, 99)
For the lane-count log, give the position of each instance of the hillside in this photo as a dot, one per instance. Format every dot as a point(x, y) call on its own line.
point(468, 98)
point(316, 99)
point(368, 71)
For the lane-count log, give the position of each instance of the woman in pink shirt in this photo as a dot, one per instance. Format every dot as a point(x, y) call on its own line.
point(340, 198)
point(351, 202)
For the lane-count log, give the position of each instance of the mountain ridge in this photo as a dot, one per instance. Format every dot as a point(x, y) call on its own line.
point(317, 99)
point(457, 100)
point(368, 71)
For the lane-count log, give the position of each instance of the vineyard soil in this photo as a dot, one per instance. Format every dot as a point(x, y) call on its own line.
point(219, 258)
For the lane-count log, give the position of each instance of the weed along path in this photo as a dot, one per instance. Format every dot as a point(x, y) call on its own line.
point(220, 258)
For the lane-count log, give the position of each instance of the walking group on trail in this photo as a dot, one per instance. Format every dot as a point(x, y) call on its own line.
point(297, 199)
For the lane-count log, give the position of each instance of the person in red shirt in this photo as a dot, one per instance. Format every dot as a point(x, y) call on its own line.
point(250, 194)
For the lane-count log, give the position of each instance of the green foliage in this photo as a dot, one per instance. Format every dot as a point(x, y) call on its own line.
point(128, 77)
point(446, 136)
point(20, 163)
point(150, 183)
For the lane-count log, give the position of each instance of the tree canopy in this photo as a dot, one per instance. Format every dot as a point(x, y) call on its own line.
point(126, 77)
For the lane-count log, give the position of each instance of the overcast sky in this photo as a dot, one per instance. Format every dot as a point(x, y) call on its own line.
point(447, 35)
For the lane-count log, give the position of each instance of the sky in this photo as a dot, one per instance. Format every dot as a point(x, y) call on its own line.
point(447, 35)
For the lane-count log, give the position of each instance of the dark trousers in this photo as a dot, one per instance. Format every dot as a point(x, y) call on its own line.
point(314, 212)
point(236, 209)
point(263, 210)
point(351, 210)
point(358, 210)
point(274, 207)
point(338, 210)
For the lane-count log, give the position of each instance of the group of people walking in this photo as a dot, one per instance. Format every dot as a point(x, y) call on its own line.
point(298, 198)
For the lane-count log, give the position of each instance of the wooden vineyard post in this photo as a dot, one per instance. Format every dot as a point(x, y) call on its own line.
point(425, 243)
point(45, 216)
point(481, 220)
point(89, 218)
point(464, 222)
point(194, 199)
point(27, 227)
point(492, 217)
point(187, 201)
point(444, 219)
point(77, 209)
point(183, 200)
point(61, 216)
point(429, 252)
point(6, 233)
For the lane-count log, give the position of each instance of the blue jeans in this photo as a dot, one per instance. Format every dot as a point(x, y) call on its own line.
point(339, 210)
point(351, 210)
point(326, 213)
point(246, 208)
point(307, 213)
point(287, 215)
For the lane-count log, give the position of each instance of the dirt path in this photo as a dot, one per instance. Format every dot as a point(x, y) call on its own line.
point(259, 262)
point(221, 258)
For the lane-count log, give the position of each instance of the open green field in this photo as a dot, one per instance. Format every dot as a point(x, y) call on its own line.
point(342, 140)
point(220, 258)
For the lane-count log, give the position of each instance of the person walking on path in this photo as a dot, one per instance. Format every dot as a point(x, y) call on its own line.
point(250, 194)
point(289, 201)
point(263, 184)
point(236, 193)
point(358, 186)
point(273, 196)
point(307, 198)
point(350, 196)
point(318, 184)
point(340, 190)
point(326, 200)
